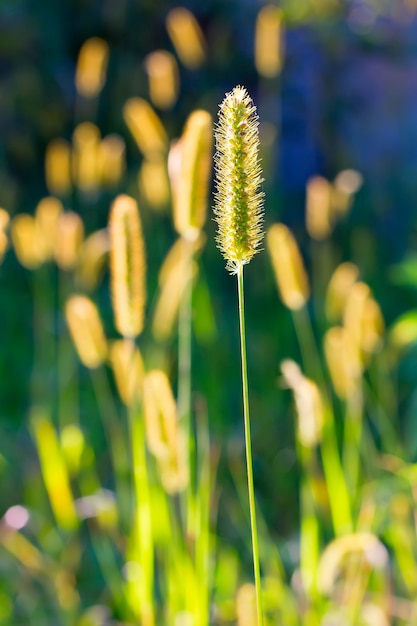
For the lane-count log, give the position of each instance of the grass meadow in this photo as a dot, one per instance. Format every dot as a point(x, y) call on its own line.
point(125, 430)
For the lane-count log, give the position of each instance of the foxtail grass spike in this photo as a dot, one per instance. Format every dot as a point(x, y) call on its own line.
point(86, 330)
point(69, 239)
point(238, 201)
point(127, 265)
point(92, 67)
point(187, 37)
point(163, 74)
point(239, 214)
point(190, 187)
point(58, 167)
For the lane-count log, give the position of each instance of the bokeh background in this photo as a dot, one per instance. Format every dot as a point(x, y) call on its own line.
point(344, 98)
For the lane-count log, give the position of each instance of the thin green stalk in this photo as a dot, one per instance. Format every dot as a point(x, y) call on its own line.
point(246, 418)
point(142, 540)
point(308, 347)
point(184, 342)
point(309, 525)
point(67, 376)
point(184, 378)
point(352, 441)
point(332, 466)
point(116, 440)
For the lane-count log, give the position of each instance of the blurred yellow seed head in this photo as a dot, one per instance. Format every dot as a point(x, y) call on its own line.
point(26, 241)
point(58, 167)
point(112, 160)
point(146, 127)
point(190, 186)
point(69, 238)
point(238, 201)
point(86, 330)
point(90, 75)
point(363, 319)
point(128, 369)
point(187, 37)
point(127, 266)
point(86, 157)
point(162, 70)
point(172, 282)
point(163, 435)
point(269, 41)
point(341, 282)
point(47, 214)
point(343, 361)
point(290, 274)
point(153, 182)
point(319, 208)
point(308, 402)
point(92, 258)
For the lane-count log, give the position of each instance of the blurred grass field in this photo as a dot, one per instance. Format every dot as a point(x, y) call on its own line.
point(122, 468)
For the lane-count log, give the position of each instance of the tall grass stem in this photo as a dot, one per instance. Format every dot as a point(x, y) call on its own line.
point(246, 418)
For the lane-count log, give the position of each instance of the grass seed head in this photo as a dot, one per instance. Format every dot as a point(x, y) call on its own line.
point(127, 266)
point(238, 200)
point(86, 330)
point(291, 276)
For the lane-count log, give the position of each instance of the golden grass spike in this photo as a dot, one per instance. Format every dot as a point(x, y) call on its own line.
point(290, 274)
point(364, 321)
point(112, 159)
point(172, 282)
point(269, 41)
point(340, 284)
point(190, 189)
point(373, 327)
point(26, 241)
point(163, 74)
point(69, 238)
point(128, 370)
point(175, 256)
point(92, 259)
point(187, 37)
point(127, 266)
point(343, 361)
point(58, 167)
point(308, 403)
point(238, 200)
point(162, 432)
point(319, 208)
point(153, 182)
point(86, 330)
point(146, 127)
point(47, 214)
point(86, 157)
point(4, 219)
point(90, 75)
point(169, 299)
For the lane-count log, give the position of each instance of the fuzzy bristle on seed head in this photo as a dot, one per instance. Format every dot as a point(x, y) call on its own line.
point(238, 199)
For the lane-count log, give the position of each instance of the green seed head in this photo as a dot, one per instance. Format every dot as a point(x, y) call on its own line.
point(238, 201)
